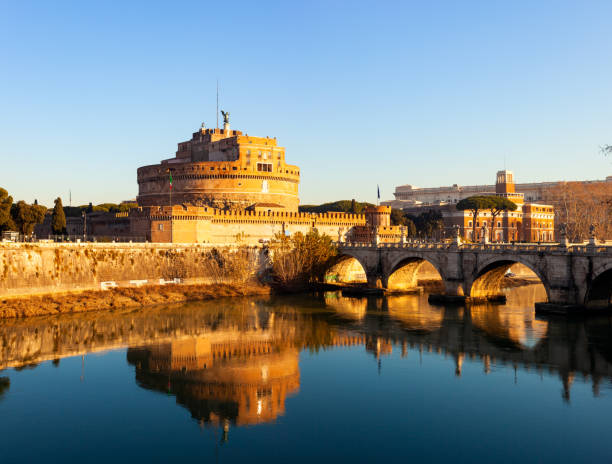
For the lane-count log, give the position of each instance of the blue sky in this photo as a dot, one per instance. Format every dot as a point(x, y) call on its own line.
point(360, 93)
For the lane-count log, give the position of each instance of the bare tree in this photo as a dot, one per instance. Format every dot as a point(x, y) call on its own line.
point(578, 205)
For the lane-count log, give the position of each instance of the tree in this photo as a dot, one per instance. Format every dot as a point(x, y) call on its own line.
point(300, 258)
point(499, 205)
point(578, 205)
point(428, 224)
point(410, 227)
point(398, 218)
point(475, 204)
point(27, 216)
point(346, 206)
point(6, 222)
point(58, 218)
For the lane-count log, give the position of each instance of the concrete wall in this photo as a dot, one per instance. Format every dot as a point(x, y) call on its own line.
point(56, 267)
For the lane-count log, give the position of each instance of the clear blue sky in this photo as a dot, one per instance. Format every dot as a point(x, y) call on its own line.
point(360, 93)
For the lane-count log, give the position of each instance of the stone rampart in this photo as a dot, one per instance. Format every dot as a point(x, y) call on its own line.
point(41, 268)
point(192, 224)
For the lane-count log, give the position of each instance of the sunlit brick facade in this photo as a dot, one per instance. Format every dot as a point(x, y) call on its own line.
point(531, 222)
point(222, 168)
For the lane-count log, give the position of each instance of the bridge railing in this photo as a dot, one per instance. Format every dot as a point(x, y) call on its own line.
point(502, 247)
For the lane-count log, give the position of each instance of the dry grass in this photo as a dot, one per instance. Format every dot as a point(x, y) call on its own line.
point(121, 298)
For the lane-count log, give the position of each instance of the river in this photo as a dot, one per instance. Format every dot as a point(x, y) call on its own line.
point(308, 377)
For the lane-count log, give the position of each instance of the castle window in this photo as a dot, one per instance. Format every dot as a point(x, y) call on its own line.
point(160, 227)
point(212, 169)
point(234, 168)
point(264, 167)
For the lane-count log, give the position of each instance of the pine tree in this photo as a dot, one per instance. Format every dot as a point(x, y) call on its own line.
point(58, 219)
point(6, 201)
point(25, 216)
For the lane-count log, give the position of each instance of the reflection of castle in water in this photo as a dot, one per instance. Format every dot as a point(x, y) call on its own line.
point(239, 363)
point(226, 377)
point(220, 378)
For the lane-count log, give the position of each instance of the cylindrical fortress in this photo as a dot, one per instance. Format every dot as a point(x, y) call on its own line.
point(378, 216)
point(223, 169)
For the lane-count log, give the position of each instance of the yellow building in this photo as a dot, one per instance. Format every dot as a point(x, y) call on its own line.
point(222, 168)
point(530, 222)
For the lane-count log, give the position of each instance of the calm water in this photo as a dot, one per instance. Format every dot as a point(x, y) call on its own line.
point(295, 379)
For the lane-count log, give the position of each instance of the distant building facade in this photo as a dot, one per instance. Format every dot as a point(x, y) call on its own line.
point(410, 195)
point(531, 222)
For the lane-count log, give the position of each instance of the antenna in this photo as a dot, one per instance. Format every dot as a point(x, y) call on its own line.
point(70, 197)
point(217, 103)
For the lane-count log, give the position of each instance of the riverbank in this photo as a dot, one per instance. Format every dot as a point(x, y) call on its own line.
point(133, 297)
point(122, 297)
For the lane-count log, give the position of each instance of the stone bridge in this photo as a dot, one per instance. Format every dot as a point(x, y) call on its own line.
point(575, 275)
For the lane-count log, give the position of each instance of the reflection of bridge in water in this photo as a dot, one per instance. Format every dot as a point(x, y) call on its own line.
point(238, 363)
point(507, 335)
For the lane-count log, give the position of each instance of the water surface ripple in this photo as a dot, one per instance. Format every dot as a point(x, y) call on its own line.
point(298, 378)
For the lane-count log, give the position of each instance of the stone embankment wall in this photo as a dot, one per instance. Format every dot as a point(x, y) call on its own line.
point(27, 269)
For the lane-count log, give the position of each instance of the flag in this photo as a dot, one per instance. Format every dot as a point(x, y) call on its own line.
point(170, 179)
point(377, 192)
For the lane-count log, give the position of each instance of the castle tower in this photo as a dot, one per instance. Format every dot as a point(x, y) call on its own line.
point(378, 216)
point(223, 168)
point(505, 182)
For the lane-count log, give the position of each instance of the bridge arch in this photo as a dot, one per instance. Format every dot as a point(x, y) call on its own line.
point(599, 291)
point(404, 271)
point(486, 282)
point(347, 269)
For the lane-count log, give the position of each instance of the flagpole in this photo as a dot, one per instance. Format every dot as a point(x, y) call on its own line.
point(217, 103)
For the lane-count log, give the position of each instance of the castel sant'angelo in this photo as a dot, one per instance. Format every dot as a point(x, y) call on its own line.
point(224, 187)
point(223, 169)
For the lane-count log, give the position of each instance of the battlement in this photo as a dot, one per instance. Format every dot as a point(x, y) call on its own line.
point(178, 212)
point(216, 131)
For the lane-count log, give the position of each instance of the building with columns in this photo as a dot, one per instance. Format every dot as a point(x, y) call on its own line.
point(410, 195)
